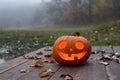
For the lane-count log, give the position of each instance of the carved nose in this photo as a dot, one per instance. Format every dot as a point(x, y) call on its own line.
point(71, 49)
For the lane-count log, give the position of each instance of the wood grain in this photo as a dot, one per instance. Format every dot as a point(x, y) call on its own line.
point(91, 70)
point(114, 68)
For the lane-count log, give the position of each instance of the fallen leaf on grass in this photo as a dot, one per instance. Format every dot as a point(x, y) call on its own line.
point(45, 73)
point(38, 63)
point(66, 76)
point(28, 56)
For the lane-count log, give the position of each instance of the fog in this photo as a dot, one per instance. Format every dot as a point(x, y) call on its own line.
point(18, 13)
point(46, 13)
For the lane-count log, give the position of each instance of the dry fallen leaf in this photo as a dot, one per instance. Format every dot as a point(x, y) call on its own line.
point(66, 76)
point(93, 52)
point(50, 61)
point(45, 73)
point(114, 57)
point(117, 54)
point(38, 63)
point(28, 56)
point(39, 53)
point(106, 57)
point(104, 63)
point(38, 57)
point(118, 61)
point(23, 71)
point(48, 55)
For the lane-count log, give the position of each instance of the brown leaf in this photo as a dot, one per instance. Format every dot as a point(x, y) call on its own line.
point(106, 57)
point(117, 54)
point(50, 61)
point(38, 63)
point(23, 71)
point(28, 56)
point(93, 52)
point(45, 73)
point(114, 57)
point(39, 53)
point(48, 55)
point(38, 57)
point(66, 76)
point(118, 61)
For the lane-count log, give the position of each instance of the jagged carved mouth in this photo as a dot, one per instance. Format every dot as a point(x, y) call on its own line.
point(67, 56)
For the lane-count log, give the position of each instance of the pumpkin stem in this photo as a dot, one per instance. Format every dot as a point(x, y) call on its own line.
point(75, 34)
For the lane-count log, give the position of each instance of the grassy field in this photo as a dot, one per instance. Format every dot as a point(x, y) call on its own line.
point(19, 42)
point(103, 35)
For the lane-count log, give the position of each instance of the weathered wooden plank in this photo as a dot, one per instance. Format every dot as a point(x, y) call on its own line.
point(14, 73)
point(95, 48)
point(14, 62)
point(89, 71)
point(92, 70)
point(114, 68)
point(11, 69)
point(116, 49)
point(11, 64)
point(18, 61)
point(34, 74)
point(107, 49)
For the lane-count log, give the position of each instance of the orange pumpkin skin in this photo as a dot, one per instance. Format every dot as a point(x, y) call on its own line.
point(71, 50)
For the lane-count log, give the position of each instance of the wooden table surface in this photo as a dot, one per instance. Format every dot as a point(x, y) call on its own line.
point(92, 70)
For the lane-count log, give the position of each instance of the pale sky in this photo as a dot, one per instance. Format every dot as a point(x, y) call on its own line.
point(21, 1)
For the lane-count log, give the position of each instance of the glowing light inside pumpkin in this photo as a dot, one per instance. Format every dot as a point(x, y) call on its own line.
point(66, 56)
point(71, 49)
point(62, 44)
point(79, 45)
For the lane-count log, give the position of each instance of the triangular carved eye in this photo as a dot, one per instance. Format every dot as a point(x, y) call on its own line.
point(79, 45)
point(62, 44)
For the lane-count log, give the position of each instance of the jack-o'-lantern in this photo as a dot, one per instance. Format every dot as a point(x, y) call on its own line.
point(71, 50)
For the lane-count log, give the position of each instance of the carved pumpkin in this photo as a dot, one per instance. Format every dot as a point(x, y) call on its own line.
point(71, 50)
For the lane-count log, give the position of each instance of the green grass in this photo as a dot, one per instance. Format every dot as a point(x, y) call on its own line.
point(103, 35)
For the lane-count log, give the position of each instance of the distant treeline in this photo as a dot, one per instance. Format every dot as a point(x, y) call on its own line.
point(77, 12)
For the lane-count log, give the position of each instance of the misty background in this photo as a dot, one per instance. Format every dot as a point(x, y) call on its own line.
point(44, 13)
point(18, 13)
